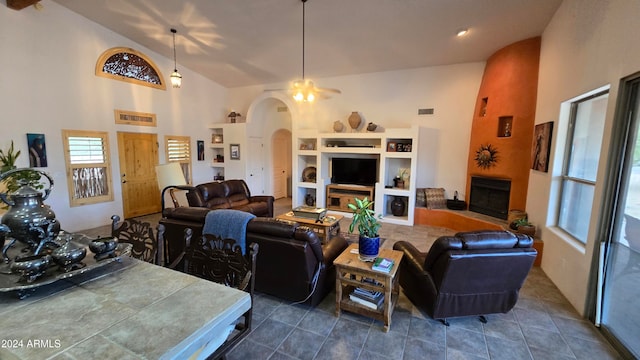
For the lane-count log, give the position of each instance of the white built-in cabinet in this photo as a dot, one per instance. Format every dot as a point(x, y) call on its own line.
point(219, 155)
point(314, 149)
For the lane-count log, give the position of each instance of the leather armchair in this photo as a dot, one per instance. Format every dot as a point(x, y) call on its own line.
point(293, 265)
point(470, 273)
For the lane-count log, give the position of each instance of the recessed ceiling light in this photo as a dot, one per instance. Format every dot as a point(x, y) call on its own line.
point(462, 32)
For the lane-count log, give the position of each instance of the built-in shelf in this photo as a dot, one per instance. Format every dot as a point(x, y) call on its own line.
point(391, 162)
point(505, 126)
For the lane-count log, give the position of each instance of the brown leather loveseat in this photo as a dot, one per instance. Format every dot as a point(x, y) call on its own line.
point(230, 194)
point(470, 273)
point(292, 263)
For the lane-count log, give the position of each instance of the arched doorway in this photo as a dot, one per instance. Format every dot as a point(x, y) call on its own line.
point(272, 116)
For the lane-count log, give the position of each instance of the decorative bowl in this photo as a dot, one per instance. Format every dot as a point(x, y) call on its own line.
point(31, 267)
point(68, 258)
point(103, 248)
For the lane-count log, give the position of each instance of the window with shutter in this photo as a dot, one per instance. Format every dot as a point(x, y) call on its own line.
point(178, 149)
point(88, 166)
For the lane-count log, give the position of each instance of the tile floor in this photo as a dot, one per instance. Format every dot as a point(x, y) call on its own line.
point(543, 325)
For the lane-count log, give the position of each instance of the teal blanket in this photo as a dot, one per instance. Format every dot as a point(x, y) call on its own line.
point(228, 224)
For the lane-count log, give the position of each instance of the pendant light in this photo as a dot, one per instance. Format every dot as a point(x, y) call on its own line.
point(176, 78)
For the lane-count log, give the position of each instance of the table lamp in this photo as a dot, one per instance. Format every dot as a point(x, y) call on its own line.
point(170, 175)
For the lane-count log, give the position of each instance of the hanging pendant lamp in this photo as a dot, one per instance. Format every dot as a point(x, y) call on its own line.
point(176, 78)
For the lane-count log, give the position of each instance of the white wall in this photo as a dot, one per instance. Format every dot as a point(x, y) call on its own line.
point(391, 100)
point(48, 84)
point(587, 45)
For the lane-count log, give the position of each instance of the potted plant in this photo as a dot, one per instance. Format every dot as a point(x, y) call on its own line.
point(523, 226)
point(15, 181)
point(365, 220)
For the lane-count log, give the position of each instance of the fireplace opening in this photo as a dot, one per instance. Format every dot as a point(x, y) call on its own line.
point(490, 196)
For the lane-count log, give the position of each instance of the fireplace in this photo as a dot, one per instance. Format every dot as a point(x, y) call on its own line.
point(490, 196)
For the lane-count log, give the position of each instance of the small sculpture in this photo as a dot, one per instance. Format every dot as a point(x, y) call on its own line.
point(371, 127)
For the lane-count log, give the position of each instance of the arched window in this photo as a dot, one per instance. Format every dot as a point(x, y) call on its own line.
point(131, 66)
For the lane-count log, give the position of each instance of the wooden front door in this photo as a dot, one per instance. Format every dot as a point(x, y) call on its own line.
point(138, 154)
point(281, 145)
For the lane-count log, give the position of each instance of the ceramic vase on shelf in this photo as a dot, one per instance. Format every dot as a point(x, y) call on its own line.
point(355, 120)
point(338, 126)
point(398, 206)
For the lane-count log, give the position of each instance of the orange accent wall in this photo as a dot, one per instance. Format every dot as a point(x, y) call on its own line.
point(509, 84)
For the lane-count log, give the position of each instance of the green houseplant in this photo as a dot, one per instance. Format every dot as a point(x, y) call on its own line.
point(367, 223)
point(14, 182)
point(523, 226)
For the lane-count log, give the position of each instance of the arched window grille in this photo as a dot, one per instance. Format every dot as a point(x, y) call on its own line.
point(131, 66)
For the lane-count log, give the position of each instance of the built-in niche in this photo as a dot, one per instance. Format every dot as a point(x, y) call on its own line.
point(505, 126)
point(483, 106)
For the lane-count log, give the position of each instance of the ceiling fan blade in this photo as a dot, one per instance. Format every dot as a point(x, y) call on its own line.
point(336, 91)
point(266, 90)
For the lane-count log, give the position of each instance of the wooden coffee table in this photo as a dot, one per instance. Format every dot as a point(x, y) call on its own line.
point(325, 229)
point(350, 271)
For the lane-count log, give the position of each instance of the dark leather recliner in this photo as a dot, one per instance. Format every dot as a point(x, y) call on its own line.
point(293, 265)
point(290, 254)
point(470, 273)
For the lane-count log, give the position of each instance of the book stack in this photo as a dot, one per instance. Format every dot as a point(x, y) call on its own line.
point(383, 265)
point(369, 298)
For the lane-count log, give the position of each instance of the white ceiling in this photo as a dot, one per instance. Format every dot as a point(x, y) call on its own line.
point(249, 42)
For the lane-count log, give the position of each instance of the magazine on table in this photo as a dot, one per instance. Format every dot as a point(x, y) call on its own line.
point(382, 264)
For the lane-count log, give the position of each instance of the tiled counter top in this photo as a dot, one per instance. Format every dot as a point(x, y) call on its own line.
point(128, 310)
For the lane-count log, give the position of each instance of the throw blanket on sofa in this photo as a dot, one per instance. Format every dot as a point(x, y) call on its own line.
point(228, 224)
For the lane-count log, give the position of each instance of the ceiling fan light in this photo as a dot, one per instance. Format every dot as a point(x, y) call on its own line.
point(299, 96)
point(310, 97)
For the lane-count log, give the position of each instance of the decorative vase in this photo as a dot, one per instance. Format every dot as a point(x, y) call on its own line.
point(398, 206)
point(355, 120)
point(338, 126)
point(309, 200)
point(368, 248)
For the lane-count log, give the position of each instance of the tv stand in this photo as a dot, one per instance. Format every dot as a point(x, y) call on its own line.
point(339, 196)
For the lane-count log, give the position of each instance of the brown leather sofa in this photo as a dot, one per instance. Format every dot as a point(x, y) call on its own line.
point(292, 264)
point(470, 273)
point(230, 194)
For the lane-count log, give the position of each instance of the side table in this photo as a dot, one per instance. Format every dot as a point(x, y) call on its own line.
point(350, 272)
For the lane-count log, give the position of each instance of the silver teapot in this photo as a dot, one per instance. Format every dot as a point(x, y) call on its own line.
point(27, 212)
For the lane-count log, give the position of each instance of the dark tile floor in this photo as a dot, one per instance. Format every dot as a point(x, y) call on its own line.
point(543, 324)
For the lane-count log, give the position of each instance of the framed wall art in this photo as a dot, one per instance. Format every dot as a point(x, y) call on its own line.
point(234, 150)
point(541, 147)
point(200, 150)
point(37, 150)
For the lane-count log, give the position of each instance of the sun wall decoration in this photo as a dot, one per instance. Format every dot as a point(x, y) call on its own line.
point(486, 156)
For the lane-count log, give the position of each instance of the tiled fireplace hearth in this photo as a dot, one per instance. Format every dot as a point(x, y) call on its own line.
point(490, 196)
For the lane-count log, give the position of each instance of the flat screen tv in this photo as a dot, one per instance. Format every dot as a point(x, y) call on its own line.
point(354, 171)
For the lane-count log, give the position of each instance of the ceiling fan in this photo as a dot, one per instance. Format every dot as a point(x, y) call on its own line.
point(304, 90)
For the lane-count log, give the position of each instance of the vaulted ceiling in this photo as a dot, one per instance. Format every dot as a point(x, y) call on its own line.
point(249, 42)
